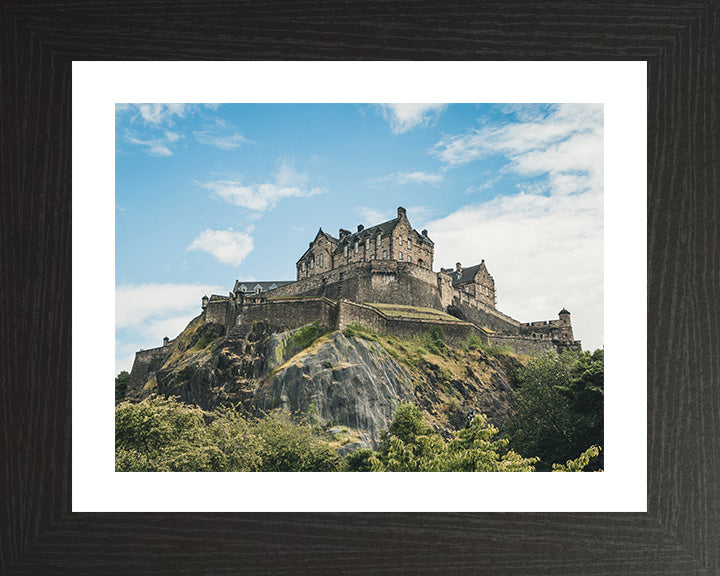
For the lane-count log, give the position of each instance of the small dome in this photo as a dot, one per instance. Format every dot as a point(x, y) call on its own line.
point(563, 311)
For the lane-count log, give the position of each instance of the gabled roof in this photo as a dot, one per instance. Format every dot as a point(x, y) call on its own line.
point(466, 274)
point(331, 238)
point(385, 228)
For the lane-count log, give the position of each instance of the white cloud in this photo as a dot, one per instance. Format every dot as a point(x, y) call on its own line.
point(227, 246)
point(159, 146)
point(545, 252)
point(286, 183)
point(228, 142)
point(161, 113)
point(568, 138)
point(404, 117)
point(416, 177)
point(137, 303)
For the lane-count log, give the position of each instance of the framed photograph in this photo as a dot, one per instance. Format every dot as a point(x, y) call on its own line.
point(653, 508)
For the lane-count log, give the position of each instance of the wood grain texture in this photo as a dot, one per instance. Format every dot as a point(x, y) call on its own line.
point(681, 532)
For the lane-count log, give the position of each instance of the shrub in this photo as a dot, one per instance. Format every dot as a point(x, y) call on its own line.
point(303, 338)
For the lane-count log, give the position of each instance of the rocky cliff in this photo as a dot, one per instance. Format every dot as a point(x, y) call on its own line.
point(349, 383)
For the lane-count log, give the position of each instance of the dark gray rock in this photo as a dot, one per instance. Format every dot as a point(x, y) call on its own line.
point(342, 382)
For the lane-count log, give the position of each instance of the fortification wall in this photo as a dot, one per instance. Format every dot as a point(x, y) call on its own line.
point(218, 311)
point(388, 281)
point(555, 329)
point(523, 345)
point(284, 315)
point(483, 315)
point(146, 362)
point(354, 312)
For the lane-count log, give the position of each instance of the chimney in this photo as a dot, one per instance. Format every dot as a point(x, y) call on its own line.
point(458, 267)
point(401, 212)
point(361, 227)
point(344, 232)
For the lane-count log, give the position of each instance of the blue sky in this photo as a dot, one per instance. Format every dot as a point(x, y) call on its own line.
point(206, 194)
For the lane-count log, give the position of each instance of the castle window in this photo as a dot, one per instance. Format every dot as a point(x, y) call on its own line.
point(243, 288)
point(384, 253)
point(367, 243)
point(400, 254)
point(372, 256)
point(303, 268)
point(345, 250)
point(357, 246)
point(258, 288)
point(409, 259)
point(312, 263)
point(400, 240)
point(408, 242)
point(379, 239)
point(320, 263)
point(467, 289)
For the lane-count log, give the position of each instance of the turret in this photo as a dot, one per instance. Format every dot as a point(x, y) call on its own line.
point(166, 341)
point(564, 316)
point(204, 302)
point(402, 212)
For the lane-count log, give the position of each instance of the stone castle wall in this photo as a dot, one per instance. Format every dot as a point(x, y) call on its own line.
point(283, 315)
point(522, 344)
point(146, 362)
point(389, 282)
point(475, 311)
point(353, 312)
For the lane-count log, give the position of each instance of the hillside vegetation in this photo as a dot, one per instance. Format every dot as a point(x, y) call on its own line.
point(311, 400)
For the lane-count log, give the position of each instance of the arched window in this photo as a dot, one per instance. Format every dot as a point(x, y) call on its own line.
point(357, 246)
point(345, 250)
point(367, 243)
point(400, 255)
point(379, 239)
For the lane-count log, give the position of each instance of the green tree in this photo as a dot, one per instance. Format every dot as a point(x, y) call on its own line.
point(162, 435)
point(559, 410)
point(287, 445)
point(121, 384)
point(411, 445)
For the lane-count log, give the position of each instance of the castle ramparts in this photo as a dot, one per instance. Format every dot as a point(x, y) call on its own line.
point(390, 263)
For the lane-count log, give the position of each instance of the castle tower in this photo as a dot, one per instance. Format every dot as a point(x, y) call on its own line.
point(204, 302)
point(564, 317)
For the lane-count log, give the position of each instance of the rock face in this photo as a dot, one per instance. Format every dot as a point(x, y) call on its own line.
point(339, 381)
point(348, 385)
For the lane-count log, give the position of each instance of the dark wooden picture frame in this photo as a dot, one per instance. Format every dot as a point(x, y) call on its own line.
point(680, 533)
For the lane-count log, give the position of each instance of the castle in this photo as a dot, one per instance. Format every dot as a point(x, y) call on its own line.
point(355, 276)
point(382, 278)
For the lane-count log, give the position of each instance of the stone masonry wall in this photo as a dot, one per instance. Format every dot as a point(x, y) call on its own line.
point(284, 315)
point(522, 345)
point(484, 315)
point(353, 312)
point(146, 362)
point(389, 282)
